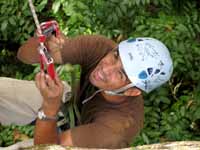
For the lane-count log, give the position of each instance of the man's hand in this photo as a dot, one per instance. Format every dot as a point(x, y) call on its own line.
point(52, 91)
point(28, 52)
point(55, 44)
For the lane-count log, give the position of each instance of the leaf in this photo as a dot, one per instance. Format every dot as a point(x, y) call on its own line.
point(141, 28)
point(119, 12)
point(185, 98)
point(81, 5)
point(196, 114)
point(68, 9)
point(174, 42)
point(56, 5)
point(42, 4)
point(18, 136)
point(191, 29)
point(31, 29)
point(123, 8)
point(147, 1)
point(182, 111)
point(21, 22)
point(115, 18)
point(155, 115)
point(12, 21)
point(182, 28)
point(143, 2)
point(71, 116)
point(165, 100)
point(195, 16)
point(137, 2)
point(25, 6)
point(197, 27)
point(4, 25)
point(145, 138)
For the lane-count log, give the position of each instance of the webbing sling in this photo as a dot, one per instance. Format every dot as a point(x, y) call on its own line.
point(71, 75)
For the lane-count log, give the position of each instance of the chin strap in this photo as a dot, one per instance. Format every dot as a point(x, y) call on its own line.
point(120, 90)
point(89, 98)
point(117, 92)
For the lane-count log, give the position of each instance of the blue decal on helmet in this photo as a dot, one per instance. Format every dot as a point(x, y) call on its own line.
point(143, 75)
point(131, 40)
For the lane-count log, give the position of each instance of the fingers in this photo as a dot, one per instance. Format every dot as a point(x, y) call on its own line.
point(52, 40)
point(58, 82)
point(43, 84)
point(51, 90)
point(37, 80)
point(50, 82)
point(40, 80)
point(55, 43)
point(43, 81)
point(46, 84)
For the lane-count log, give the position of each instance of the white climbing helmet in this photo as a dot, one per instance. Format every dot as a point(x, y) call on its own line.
point(147, 63)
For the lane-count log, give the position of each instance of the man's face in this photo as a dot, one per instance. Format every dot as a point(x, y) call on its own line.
point(109, 73)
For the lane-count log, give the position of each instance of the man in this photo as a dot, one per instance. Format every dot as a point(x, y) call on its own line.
point(114, 114)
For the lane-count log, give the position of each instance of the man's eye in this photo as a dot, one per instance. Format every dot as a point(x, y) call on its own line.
point(116, 55)
point(124, 74)
point(121, 74)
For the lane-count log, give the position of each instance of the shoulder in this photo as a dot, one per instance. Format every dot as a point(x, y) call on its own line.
point(127, 115)
point(122, 122)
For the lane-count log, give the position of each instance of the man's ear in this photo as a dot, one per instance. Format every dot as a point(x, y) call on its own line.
point(132, 92)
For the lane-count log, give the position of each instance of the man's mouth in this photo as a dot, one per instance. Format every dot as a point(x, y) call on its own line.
point(98, 75)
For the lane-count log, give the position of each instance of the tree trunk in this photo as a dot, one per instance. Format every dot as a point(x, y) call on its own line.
point(181, 145)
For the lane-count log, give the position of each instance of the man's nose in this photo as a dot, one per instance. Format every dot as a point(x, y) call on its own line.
point(109, 69)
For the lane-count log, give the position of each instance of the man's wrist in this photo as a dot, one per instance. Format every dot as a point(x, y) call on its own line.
point(50, 109)
point(50, 113)
point(42, 115)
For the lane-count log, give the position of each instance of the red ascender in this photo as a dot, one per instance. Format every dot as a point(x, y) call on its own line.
point(46, 61)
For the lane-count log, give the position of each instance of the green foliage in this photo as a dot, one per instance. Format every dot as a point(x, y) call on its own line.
point(9, 65)
point(16, 19)
point(172, 112)
point(11, 134)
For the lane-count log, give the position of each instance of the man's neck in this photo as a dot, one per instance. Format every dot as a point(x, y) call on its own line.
point(113, 98)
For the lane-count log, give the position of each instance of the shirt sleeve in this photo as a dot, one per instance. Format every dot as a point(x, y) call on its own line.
point(111, 130)
point(86, 49)
point(95, 135)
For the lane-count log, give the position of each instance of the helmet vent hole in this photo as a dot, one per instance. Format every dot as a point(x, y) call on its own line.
point(149, 70)
point(157, 71)
point(162, 73)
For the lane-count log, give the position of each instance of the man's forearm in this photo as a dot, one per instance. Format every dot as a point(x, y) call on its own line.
point(28, 52)
point(46, 132)
point(52, 92)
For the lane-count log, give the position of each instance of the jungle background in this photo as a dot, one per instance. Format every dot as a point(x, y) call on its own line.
point(172, 112)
